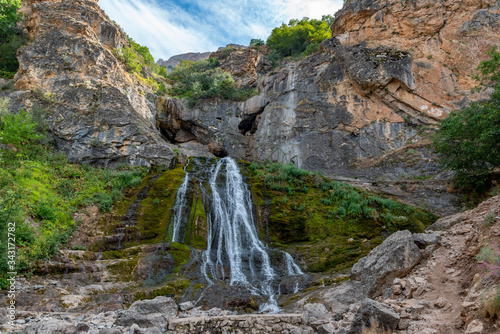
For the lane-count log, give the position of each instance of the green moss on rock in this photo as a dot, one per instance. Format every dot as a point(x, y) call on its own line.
point(327, 224)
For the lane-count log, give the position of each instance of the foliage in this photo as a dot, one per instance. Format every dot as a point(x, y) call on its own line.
point(39, 190)
point(136, 58)
point(328, 19)
point(256, 42)
point(9, 17)
point(313, 212)
point(204, 79)
point(8, 59)
point(469, 139)
point(295, 37)
point(489, 258)
point(130, 58)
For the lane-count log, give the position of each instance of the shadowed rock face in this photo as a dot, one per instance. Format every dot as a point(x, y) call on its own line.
point(98, 112)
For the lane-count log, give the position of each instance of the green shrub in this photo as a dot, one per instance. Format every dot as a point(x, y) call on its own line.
point(8, 60)
point(9, 17)
point(205, 79)
point(256, 42)
point(19, 133)
point(296, 37)
point(129, 58)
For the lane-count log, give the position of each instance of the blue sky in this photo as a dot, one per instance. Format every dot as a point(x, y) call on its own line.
point(170, 27)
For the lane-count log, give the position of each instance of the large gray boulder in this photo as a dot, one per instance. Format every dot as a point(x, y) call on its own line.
point(373, 317)
point(148, 313)
point(395, 257)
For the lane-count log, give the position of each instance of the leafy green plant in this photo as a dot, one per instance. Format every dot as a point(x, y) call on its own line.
point(18, 132)
point(9, 17)
point(256, 42)
point(11, 39)
point(296, 37)
point(8, 49)
point(489, 219)
point(205, 79)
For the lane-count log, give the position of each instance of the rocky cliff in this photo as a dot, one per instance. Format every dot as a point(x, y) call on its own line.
point(176, 60)
point(363, 106)
point(99, 113)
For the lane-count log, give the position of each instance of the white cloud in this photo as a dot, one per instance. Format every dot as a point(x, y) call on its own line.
point(153, 26)
point(170, 27)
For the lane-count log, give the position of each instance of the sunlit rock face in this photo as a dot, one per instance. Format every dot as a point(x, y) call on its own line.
point(364, 105)
point(98, 112)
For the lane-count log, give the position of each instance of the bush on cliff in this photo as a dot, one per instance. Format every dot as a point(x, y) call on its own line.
point(204, 79)
point(298, 37)
point(469, 139)
point(136, 58)
point(10, 38)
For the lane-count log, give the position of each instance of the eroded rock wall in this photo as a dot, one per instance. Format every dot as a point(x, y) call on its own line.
point(98, 111)
point(363, 108)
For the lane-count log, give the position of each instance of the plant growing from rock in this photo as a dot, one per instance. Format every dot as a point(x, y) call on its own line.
point(489, 258)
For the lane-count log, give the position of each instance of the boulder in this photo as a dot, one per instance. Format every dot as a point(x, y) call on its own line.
point(426, 239)
point(50, 326)
point(316, 310)
point(326, 329)
point(475, 327)
point(135, 329)
point(374, 317)
point(110, 331)
point(395, 257)
point(445, 222)
point(341, 297)
point(148, 313)
point(186, 306)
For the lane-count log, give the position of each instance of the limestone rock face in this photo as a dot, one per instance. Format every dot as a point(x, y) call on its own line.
point(360, 107)
point(446, 38)
point(246, 65)
point(176, 60)
point(98, 111)
point(395, 257)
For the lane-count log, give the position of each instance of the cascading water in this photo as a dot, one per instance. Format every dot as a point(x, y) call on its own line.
point(234, 251)
point(180, 203)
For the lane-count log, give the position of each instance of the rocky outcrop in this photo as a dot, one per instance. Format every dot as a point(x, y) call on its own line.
point(395, 257)
point(361, 109)
point(173, 61)
point(246, 65)
point(374, 317)
point(98, 112)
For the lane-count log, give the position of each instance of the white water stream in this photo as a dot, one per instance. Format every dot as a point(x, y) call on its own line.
point(234, 251)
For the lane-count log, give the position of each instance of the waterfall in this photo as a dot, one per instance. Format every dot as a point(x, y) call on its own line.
point(180, 203)
point(234, 251)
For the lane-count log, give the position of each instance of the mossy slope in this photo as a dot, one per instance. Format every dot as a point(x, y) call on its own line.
point(329, 225)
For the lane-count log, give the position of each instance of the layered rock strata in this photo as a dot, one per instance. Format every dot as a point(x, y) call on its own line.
point(98, 112)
